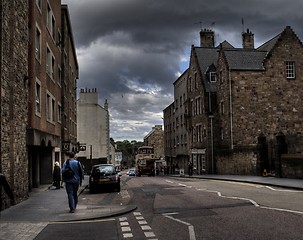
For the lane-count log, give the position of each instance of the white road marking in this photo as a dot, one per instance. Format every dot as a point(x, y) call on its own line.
point(145, 227)
point(247, 199)
point(191, 229)
point(127, 235)
point(149, 234)
point(283, 190)
point(125, 229)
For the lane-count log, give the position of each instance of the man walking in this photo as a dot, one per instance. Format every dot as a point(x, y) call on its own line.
point(73, 182)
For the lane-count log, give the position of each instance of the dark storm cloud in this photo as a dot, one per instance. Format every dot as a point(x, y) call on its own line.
point(132, 50)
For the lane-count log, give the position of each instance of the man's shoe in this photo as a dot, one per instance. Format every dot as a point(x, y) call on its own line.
point(72, 211)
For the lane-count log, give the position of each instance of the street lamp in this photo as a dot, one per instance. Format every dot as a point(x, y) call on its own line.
point(211, 116)
point(90, 155)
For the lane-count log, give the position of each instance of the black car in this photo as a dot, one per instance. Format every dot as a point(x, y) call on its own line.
point(104, 177)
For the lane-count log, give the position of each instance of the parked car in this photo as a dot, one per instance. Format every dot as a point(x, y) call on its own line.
point(104, 177)
point(132, 172)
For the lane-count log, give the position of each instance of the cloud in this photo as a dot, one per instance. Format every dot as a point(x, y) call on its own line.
point(133, 50)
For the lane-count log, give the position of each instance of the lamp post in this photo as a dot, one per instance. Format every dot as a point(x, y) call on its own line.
point(90, 155)
point(211, 116)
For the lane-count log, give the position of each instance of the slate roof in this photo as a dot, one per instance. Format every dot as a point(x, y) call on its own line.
point(269, 44)
point(245, 59)
point(206, 57)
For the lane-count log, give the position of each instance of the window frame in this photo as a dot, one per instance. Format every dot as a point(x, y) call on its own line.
point(38, 98)
point(290, 69)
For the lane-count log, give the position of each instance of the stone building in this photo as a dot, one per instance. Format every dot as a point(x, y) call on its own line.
point(175, 132)
point(93, 129)
point(259, 94)
point(243, 108)
point(52, 75)
point(14, 95)
point(155, 139)
point(201, 101)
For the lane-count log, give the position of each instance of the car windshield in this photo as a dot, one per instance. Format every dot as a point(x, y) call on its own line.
point(105, 169)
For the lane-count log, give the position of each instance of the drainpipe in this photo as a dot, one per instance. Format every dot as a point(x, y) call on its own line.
point(230, 112)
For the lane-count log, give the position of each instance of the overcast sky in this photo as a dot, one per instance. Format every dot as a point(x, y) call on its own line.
point(133, 50)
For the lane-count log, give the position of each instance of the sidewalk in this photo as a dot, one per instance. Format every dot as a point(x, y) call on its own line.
point(269, 181)
point(26, 219)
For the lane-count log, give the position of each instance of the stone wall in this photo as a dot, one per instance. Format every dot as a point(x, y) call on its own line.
point(14, 95)
point(292, 165)
point(263, 102)
point(239, 162)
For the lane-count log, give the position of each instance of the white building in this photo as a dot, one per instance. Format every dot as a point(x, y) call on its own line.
point(92, 129)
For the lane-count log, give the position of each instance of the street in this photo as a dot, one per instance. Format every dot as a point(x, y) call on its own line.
point(188, 208)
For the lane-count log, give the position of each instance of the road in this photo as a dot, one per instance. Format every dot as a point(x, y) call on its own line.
point(187, 208)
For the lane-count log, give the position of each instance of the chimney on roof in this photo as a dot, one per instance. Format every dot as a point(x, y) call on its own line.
point(207, 38)
point(248, 40)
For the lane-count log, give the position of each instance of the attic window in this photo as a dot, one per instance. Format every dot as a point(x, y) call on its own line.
point(212, 76)
point(290, 70)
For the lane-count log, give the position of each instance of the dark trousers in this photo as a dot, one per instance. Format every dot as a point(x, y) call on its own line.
point(72, 194)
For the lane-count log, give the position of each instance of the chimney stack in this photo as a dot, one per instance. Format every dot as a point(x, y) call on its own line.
point(207, 38)
point(248, 40)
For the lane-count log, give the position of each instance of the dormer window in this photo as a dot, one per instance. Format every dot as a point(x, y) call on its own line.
point(212, 76)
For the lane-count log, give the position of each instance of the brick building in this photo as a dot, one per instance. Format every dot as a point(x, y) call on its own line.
point(14, 95)
point(175, 132)
point(53, 70)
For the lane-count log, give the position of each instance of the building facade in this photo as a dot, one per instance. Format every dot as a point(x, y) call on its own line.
point(259, 100)
point(155, 139)
point(52, 74)
point(243, 106)
point(14, 95)
point(93, 129)
point(175, 131)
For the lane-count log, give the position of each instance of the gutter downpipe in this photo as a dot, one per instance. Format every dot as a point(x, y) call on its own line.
point(230, 112)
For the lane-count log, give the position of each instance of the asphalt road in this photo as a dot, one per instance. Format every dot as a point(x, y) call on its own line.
point(179, 208)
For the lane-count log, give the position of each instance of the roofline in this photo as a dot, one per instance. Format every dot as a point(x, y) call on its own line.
point(64, 7)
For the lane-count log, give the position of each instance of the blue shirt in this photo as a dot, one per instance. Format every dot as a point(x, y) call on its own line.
point(77, 169)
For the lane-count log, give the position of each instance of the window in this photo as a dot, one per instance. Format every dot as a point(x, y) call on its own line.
point(51, 22)
point(59, 75)
point(222, 108)
point(290, 70)
point(53, 30)
point(38, 97)
point(39, 4)
point(38, 43)
point(50, 63)
point(212, 76)
point(50, 107)
point(59, 112)
point(53, 110)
